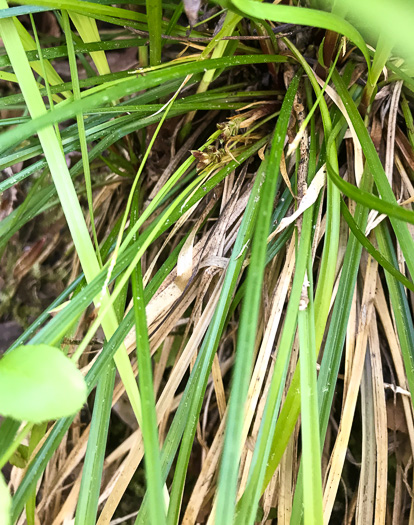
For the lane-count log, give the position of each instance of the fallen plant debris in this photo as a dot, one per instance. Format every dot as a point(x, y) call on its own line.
point(207, 253)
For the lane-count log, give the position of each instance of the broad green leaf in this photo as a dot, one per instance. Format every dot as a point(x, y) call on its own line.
point(37, 383)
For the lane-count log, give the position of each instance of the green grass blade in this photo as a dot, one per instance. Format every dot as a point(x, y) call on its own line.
point(245, 345)
point(311, 449)
point(382, 52)
point(247, 506)
point(8, 430)
point(194, 395)
point(395, 212)
point(333, 350)
point(149, 417)
point(400, 305)
point(248, 323)
point(88, 31)
point(400, 228)
point(154, 14)
point(22, 10)
point(378, 256)
point(300, 15)
point(43, 65)
point(326, 278)
point(90, 488)
point(81, 128)
point(95, 453)
point(83, 7)
point(38, 431)
point(149, 427)
point(52, 53)
point(337, 328)
point(30, 45)
point(330, 248)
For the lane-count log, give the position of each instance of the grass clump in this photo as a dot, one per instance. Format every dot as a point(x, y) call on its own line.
point(213, 222)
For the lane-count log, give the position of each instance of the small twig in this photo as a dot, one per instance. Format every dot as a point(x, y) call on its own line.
point(209, 38)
